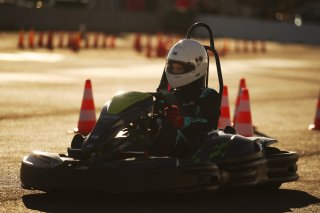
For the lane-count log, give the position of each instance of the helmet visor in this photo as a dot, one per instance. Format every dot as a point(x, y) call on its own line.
point(178, 68)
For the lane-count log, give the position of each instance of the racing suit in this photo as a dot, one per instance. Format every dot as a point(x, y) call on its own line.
point(200, 109)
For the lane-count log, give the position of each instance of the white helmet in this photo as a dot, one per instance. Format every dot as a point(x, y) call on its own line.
point(187, 61)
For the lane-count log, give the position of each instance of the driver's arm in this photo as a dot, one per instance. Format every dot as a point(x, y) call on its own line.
point(207, 112)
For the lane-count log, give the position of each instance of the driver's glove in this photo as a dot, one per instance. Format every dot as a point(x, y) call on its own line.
point(173, 115)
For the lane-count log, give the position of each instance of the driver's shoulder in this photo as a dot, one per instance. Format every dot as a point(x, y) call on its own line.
point(206, 92)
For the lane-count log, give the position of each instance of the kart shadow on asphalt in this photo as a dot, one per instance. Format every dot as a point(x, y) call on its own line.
point(282, 200)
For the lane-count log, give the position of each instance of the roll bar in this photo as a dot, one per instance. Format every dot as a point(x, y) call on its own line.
point(213, 50)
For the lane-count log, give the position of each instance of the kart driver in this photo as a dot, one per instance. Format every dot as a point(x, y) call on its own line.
point(187, 120)
point(198, 109)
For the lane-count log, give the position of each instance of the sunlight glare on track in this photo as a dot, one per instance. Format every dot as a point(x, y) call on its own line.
point(31, 56)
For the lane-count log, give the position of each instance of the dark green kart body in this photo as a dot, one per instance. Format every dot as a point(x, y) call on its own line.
point(137, 173)
point(247, 161)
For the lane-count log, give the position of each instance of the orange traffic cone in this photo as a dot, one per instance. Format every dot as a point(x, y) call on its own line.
point(224, 119)
point(31, 39)
point(263, 46)
point(96, 40)
point(87, 118)
point(76, 42)
point(242, 85)
point(112, 43)
point(137, 42)
point(149, 47)
point(237, 46)
point(61, 40)
point(316, 124)
point(169, 42)
point(104, 41)
point(87, 41)
point(50, 41)
point(243, 123)
point(21, 39)
point(161, 50)
point(245, 46)
point(225, 47)
point(70, 40)
point(254, 46)
point(40, 39)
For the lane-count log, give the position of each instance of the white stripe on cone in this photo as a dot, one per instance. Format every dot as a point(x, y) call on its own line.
point(244, 128)
point(87, 115)
point(87, 95)
point(242, 85)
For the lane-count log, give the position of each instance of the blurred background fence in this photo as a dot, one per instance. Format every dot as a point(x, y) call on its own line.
point(277, 20)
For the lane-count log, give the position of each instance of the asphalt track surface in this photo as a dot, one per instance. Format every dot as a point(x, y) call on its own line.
point(41, 93)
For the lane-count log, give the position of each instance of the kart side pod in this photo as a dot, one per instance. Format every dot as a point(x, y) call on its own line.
point(122, 109)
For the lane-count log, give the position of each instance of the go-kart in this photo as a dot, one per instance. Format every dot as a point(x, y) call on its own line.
point(106, 159)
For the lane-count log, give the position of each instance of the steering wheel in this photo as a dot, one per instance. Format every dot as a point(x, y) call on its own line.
point(165, 98)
